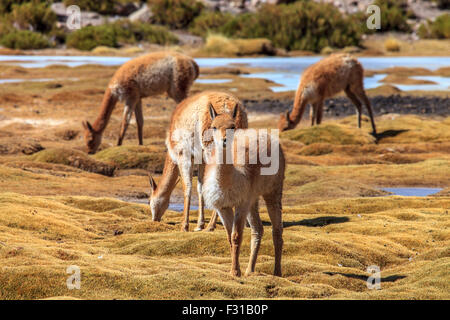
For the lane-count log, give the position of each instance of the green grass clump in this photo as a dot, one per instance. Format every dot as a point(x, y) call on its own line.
point(24, 40)
point(297, 26)
point(100, 6)
point(132, 32)
point(90, 37)
point(329, 133)
point(438, 29)
point(37, 15)
point(394, 15)
point(120, 32)
point(208, 21)
point(175, 13)
point(134, 157)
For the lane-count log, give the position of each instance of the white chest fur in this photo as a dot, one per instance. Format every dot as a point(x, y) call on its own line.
point(218, 194)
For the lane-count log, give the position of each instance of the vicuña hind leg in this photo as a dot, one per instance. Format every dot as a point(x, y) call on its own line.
point(201, 207)
point(212, 223)
point(257, 233)
point(356, 102)
point(139, 122)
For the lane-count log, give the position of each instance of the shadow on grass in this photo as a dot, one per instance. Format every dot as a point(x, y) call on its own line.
point(392, 278)
point(316, 222)
point(388, 134)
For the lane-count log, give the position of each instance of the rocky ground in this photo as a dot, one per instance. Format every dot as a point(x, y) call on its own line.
point(340, 106)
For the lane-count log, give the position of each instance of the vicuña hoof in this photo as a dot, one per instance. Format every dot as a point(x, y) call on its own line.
point(249, 273)
point(236, 273)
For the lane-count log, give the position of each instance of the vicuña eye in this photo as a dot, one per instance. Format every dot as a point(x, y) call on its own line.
point(214, 128)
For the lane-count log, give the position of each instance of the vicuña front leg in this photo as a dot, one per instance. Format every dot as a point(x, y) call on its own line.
point(357, 104)
point(236, 239)
point(139, 122)
point(185, 166)
point(129, 108)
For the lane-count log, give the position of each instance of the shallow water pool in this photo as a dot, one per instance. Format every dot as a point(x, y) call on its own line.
point(413, 192)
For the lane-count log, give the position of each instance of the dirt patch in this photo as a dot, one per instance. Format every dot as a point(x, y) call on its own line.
point(19, 145)
point(75, 95)
point(67, 134)
point(11, 98)
point(223, 70)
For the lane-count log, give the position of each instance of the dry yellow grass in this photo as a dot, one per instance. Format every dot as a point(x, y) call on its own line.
point(392, 45)
point(423, 47)
point(328, 246)
point(220, 45)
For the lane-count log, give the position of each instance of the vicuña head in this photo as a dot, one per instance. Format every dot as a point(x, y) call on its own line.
point(91, 137)
point(222, 124)
point(157, 205)
point(285, 123)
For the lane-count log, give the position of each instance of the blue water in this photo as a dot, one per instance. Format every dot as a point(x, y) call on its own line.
point(413, 192)
point(292, 64)
point(213, 81)
point(174, 206)
point(442, 83)
point(24, 80)
point(286, 70)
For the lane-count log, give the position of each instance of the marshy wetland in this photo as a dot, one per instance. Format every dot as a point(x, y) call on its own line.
point(60, 206)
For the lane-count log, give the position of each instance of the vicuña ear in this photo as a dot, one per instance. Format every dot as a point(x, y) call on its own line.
point(152, 182)
point(212, 112)
point(87, 126)
point(235, 111)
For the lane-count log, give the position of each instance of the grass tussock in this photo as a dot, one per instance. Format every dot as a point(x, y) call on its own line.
point(391, 44)
point(220, 45)
point(73, 158)
point(134, 157)
point(329, 133)
point(122, 255)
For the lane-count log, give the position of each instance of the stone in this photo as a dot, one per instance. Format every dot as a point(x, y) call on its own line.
point(144, 14)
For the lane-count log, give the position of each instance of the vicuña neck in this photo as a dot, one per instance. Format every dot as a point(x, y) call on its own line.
point(107, 107)
point(169, 179)
point(299, 106)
